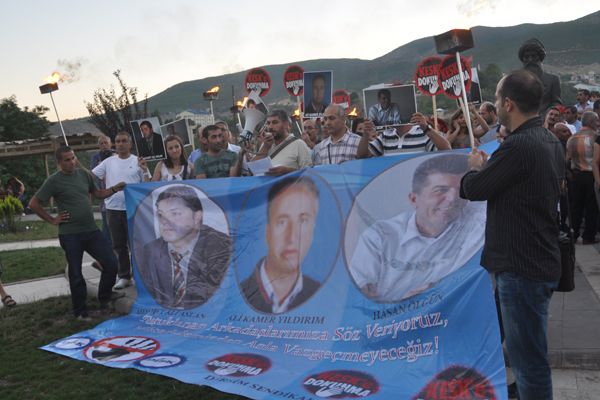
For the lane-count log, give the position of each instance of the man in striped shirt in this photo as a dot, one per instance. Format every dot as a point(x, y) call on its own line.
point(414, 138)
point(341, 144)
point(580, 153)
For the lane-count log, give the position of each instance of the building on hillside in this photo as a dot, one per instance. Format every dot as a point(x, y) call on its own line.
point(199, 117)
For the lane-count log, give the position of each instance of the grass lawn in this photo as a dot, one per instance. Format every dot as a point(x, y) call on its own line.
point(19, 265)
point(33, 230)
point(29, 373)
point(30, 230)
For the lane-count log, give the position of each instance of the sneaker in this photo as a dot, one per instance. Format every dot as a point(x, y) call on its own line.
point(84, 316)
point(122, 283)
point(96, 265)
point(113, 296)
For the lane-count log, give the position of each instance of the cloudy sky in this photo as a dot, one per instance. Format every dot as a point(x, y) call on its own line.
point(157, 43)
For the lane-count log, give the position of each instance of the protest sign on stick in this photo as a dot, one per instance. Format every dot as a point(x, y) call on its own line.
point(427, 80)
point(258, 79)
point(455, 75)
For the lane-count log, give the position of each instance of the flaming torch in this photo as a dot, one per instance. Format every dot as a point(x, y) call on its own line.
point(236, 109)
point(211, 95)
point(50, 87)
point(297, 119)
point(352, 115)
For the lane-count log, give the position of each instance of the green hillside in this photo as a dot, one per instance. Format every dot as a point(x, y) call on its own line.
point(573, 43)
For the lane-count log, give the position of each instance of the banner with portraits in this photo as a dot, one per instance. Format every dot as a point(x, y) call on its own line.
point(359, 280)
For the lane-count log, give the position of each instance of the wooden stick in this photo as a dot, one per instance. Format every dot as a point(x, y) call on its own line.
point(464, 102)
point(433, 104)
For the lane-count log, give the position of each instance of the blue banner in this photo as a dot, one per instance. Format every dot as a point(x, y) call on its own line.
point(344, 281)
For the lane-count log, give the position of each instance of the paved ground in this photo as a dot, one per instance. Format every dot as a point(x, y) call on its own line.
point(573, 329)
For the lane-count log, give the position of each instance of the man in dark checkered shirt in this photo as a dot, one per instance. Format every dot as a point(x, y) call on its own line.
point(341, 144)
point(403, 139)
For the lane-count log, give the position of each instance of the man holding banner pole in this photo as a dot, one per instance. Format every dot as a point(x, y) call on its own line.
point(521, 183)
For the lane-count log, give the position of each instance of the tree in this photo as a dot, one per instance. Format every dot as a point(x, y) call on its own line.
point(112, 113)
point(19, 124)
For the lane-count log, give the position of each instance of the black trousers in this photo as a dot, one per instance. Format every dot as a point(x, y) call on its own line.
point(117, 225)
point(583, 204)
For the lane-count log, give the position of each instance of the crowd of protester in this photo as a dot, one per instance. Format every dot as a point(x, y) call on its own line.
point(522, 174)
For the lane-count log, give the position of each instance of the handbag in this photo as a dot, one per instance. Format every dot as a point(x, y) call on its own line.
point(566, 245)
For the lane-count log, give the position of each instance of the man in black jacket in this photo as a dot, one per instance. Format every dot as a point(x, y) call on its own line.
point(521, 183)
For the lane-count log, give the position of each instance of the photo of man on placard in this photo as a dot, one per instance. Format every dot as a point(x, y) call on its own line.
point(278, 283)
point(148, 138)
point(183, 267)
point(390, 105)
point(403, 255)
point(318, 88)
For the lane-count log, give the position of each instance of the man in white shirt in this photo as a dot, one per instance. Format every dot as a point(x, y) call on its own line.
point(122, 167)
point(407, 254)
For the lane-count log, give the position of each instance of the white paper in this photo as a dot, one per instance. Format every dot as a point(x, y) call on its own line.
point(259, 167)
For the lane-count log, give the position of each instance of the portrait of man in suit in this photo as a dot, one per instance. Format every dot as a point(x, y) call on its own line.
point(150, 145)
point(184, 267)
point(278, 283)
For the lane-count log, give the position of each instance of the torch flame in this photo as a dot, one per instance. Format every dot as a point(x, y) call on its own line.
point(214, 90)
point(54, 78)
point(296, 113)
point(353, 113)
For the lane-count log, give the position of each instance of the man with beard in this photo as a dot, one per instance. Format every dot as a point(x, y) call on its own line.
point(532, 54)
point(405, 255)
point(521, 183)
point(287, 152)
point(185, 265)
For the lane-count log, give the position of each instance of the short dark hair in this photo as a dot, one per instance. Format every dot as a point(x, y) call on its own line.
point(147, 123)
point(355, 123)
point(489, 107)
point(384, 91)
point(209, 128)
point(123, 133)
point(453, 164)
point(184, 193)
point(585, 91)
point(60, 151)
point(281, 114)
point(524, 89)
point(286, 183)
point(318, 76)
point(573, 109)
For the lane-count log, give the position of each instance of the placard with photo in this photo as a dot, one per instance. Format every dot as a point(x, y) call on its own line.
point(318, 87)
point(148, 138)
point(180, 128)
point(390, 105)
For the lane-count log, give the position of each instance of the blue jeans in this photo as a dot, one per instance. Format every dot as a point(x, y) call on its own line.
point(524, 304)
point(96, 245)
